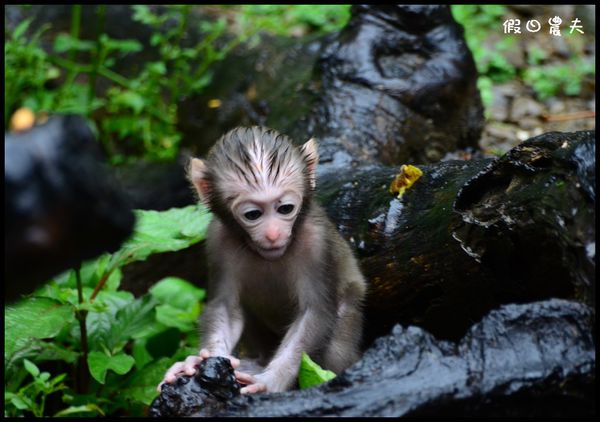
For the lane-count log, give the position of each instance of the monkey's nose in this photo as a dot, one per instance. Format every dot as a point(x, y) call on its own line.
point(272, 235)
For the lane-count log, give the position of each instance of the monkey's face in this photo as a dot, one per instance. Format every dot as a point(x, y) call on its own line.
point(268, 217)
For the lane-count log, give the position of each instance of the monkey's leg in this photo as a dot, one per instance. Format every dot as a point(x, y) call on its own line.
point(344, 347)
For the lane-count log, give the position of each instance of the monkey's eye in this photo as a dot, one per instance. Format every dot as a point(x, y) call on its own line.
point(252, 215)
point(285, 209)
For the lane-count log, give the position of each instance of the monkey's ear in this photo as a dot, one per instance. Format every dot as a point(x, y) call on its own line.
point(310, 156)
point(198, 175)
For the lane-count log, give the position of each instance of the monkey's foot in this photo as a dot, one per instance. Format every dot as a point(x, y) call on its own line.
point(252, 385)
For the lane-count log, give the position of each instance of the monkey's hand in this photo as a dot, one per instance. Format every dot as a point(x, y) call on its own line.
point(253, 383)
point(189, 367)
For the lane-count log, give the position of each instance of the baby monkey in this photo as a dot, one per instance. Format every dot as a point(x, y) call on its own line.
point(282, 279)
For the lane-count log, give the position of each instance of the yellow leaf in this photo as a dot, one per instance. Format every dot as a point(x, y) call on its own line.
point(405, 179)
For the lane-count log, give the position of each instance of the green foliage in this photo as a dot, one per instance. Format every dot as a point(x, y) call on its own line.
point(26, 69)
point(32, 397)
point(490, 47)
point(136, 115)
point(312, 374)
point(293, 19)
point(130, 341)
point(553, 79)
point(480, 23)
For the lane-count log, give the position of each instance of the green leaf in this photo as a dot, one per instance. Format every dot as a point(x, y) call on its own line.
point(99, 363)
point(173, 317)
point(164, 231)
point(121, 323)
point(33, 318)
point(132, 319)
point(65, 42)
point(31, 368)
point(312, 374)
point(18, 401)
point(141, 355)
point(177, 292)
point(76, 410)
point(123, 46)
point(130, 99)
point(141, 387)
point(21, 28)
point(53, 351)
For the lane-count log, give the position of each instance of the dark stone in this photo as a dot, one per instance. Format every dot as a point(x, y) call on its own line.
point(155, 185)
point(62, 204)
point(205, 393)
point(536, 359)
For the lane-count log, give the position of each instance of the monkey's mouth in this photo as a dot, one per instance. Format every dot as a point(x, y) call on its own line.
point(271, 253)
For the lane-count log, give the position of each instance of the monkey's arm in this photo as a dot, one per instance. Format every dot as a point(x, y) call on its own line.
point(221, 325)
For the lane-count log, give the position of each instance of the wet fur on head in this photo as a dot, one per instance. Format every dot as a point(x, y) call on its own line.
point(252, 158)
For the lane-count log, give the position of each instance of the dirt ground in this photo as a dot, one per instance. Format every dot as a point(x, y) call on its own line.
point(517, 113)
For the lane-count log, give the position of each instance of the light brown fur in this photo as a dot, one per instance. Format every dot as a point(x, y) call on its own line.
point(266, 306)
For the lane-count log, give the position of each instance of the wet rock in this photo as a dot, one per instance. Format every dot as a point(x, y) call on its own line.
point(142, 180)
point(536, 359)
point(62, 204)
point(397, 83)
point(410, 62)
point(203, 394)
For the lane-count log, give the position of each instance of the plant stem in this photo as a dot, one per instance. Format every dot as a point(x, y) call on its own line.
point(75, 28)
point(83, 372)
point(98, 57)
point(100, 285)
point(184, 13)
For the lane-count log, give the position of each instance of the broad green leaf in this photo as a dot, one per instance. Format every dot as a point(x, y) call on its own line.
point(100, 324)
point(33, 318)
point(131, 320)
point(141, 387)
point(312, 374)
point(53, 351)
point(31, 367)
point(99, 363)
point(164, 231)
point(130, 99)
point(177, 292)
point(173, 317)
point(113, 330)
point(75, 410)
point(21, 403)
point(141, 355)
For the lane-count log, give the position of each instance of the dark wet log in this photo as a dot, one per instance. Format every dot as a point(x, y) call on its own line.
point(506, 365)
point(398, 83)
point(62, 204)
point(471, 235)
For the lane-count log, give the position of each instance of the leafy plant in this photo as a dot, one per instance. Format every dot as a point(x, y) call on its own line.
point(136, 115)
point(481, 23)
point(292, 20)
point(553, 79)
point(32, 397)
point(27, 70)
point(118, 346)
